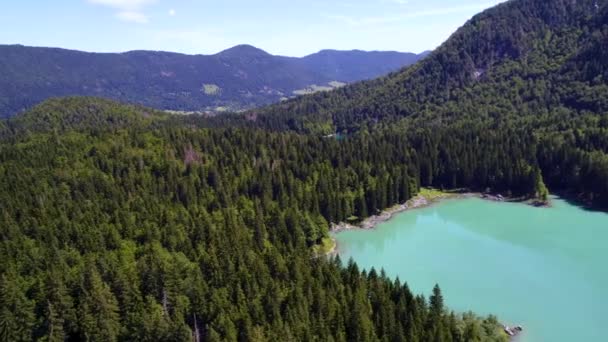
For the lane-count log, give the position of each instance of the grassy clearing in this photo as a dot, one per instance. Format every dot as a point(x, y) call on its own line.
point(211, 89)
point(312, 89)
point(433, 194)
point(326, 246)
point(318, 88)
point(337, 84)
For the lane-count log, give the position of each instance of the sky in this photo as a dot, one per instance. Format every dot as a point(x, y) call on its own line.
point(281, 27)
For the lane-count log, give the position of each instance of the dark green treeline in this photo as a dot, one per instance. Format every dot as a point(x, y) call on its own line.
point(167, 232)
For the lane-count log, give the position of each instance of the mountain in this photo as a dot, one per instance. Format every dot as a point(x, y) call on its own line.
point(356, 65)
point(519, 53)
point(527, 76)
point(237, 78)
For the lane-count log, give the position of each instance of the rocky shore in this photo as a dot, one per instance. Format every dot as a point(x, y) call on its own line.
point(418, 201)
point(424, 199)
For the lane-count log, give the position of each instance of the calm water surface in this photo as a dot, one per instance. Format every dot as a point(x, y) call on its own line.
point(543, 268)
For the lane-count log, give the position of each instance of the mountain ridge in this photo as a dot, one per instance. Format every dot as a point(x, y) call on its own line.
point(237, 78)
point(529, 39)
point(528, 73)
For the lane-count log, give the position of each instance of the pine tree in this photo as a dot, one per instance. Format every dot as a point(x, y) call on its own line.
point(16, 311)
point(436, 302)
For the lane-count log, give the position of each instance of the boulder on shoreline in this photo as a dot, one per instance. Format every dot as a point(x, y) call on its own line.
point(513, 331)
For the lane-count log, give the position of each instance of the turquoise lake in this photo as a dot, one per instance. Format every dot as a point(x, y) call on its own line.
point(543, 268)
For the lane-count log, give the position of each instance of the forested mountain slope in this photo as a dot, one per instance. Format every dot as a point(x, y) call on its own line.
point(537, 69)
point(158, 231)
point(523, 56)
point(237, 78)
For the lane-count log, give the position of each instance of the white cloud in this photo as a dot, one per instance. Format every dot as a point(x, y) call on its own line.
point(123, 4)
point(132, 17)
point(128, 10)
point(367, 21)
point(172, 12)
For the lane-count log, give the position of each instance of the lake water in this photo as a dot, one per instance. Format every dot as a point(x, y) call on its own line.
point(543, 268)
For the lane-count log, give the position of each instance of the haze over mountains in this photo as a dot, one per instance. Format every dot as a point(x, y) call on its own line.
point(237, 78)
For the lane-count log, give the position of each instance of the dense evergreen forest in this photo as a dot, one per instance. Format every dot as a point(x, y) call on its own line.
point(536, 69)
point(123, 223)
point(119, 223)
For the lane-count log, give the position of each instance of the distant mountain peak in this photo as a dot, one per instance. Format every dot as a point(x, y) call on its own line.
point(242, 76)
point(244, 50)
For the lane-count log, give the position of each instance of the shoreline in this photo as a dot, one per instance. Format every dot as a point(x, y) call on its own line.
point(421, 201)
point(425, 198)
point(417, 202)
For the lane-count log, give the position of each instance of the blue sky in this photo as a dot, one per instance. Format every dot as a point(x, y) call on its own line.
point(285, 27)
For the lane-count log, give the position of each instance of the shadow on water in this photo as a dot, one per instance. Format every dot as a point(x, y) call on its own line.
point(576, 201)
